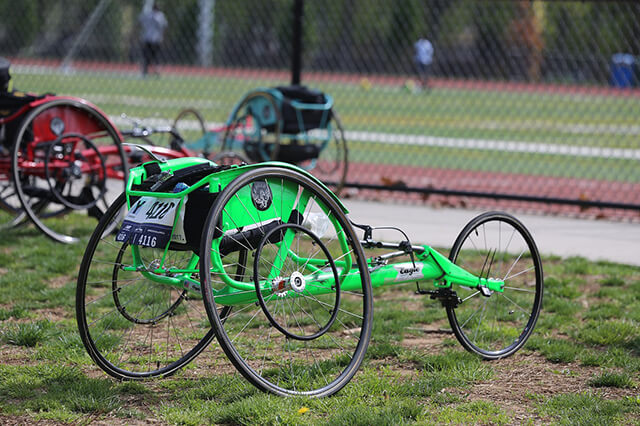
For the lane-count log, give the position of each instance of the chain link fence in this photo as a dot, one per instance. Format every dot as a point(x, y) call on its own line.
point(529, 104)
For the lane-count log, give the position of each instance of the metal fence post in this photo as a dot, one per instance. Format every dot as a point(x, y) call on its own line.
point(296, 47)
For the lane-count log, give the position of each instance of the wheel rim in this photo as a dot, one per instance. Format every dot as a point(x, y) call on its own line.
point(29, 158)
point(244, 130)
point(76, 182)
point(332, 162)
point(270, 359)
point(131, 325)
point(288, 281)
point(497, 325)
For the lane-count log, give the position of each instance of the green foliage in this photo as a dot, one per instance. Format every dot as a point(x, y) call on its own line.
point(613, 281)
point(63, 392)
point(576, 266)
point(476, 412)
point(560, 351)
point(16, 312)
point(605, 311)
point(393, 413)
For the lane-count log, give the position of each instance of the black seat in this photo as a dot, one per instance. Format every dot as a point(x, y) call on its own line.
point(10, 102)
point(311, 118)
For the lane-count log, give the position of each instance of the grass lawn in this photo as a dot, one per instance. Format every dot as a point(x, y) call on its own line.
point(543, 118)
point(581, 365)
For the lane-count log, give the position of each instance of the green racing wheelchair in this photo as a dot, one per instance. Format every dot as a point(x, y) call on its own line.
point(264, 258)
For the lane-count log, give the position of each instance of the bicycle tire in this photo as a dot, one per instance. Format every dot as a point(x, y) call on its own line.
point(497, 324)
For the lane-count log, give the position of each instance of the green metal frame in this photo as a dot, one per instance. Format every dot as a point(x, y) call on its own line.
point(429, 265)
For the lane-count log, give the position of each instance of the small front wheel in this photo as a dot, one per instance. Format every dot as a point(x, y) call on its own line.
point(496, 324)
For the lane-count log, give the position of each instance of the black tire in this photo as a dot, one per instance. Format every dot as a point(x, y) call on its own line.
point(496, 325)
point(131, 326)
point(325, 358)
point(246, 132)
point(34, 193)
point(229, 158)
point(184, 125)
point(11, 212)
point(332, 164)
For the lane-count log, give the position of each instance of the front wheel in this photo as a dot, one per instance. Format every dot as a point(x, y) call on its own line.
point(496, 324)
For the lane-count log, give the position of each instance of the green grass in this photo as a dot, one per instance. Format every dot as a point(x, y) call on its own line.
point(26, 334)
point(588, 409)
point(612, 379)
point(541, 118)
point(586, 334)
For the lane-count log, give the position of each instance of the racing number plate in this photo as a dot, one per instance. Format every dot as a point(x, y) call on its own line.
point(149, 223)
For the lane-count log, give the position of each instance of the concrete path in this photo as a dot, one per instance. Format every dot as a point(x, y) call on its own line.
point(593, 239)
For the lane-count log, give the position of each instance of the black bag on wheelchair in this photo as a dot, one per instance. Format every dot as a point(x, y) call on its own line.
point(10, 103)
point(199, 203)
point(311, 118)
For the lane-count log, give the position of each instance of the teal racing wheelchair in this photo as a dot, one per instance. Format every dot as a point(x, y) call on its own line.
point(292, 124)
point(264, 258)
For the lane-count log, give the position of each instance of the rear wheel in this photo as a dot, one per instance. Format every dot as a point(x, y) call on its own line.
point(190, 124)
point(133, 325)
point(496, 324)
point(66, 154)
point(308, 330)
point(253, 128)
point(332, 164)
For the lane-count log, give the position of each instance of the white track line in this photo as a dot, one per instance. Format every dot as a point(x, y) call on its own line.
point(442, 142)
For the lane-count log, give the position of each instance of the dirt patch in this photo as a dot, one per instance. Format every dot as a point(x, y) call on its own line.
point(53, 314)
point(523, 379)
point(60, 282)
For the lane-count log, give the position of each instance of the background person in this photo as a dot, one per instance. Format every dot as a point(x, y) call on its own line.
point(153, 23)
point(423, 58)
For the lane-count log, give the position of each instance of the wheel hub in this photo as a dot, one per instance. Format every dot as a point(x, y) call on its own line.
point(76, 170)
point(297, 282)
point(155, 264)
point(279, 286)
